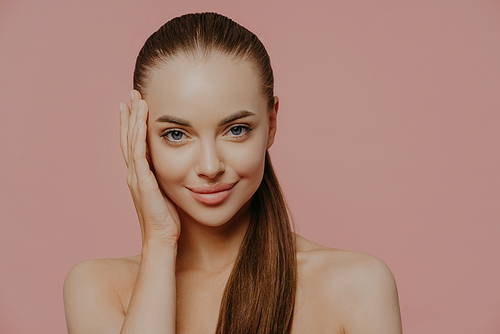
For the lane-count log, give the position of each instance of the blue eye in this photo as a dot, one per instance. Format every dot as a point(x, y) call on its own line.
point(237, 130)
point(176, 135)
point(173, 135)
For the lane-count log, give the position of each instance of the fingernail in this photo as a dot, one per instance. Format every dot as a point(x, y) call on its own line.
point(132, 95)
point(140, 104)
point(121, 106)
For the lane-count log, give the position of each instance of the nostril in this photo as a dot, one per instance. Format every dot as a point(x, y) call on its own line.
point(210, 167)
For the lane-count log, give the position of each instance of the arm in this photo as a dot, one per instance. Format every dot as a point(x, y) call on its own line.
point(92, 303)
point(152, 305)
point(153, 300)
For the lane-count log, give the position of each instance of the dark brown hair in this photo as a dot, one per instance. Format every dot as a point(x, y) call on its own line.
point(259, 297)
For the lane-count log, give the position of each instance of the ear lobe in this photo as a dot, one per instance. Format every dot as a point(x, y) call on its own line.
point(272, 122)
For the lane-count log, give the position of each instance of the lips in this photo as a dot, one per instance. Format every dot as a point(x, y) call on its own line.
point(211, 194)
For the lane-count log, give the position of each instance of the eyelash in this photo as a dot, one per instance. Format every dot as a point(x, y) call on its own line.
point(244, 127)
point(166, 135)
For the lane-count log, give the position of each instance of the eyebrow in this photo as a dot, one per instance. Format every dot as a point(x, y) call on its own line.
point(229, 119)
point(173, 119)
point(235, 116)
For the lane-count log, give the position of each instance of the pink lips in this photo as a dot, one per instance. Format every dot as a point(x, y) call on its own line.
point(212, 195)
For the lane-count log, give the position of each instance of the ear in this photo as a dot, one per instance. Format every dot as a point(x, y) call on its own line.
point(272, 122)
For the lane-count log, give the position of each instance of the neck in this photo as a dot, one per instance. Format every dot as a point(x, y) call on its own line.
point(211, 248)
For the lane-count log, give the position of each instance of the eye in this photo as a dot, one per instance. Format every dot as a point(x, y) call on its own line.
point(236, 130)
point(174, 136)
point(239, 131)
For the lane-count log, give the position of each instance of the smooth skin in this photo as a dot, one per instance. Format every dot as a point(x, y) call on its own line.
point(185, 136)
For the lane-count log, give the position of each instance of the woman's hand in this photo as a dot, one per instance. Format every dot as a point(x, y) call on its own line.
point(158, 216)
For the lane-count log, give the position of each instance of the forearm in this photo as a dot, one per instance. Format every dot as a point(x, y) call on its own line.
point(152, 305)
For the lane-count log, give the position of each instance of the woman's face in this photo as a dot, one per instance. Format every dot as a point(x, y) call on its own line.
point(208, 132)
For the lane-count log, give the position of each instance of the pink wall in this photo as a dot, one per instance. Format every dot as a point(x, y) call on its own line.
point(388, 143)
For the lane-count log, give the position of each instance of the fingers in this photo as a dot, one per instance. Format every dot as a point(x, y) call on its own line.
point(133, 134)
point(141, 164)
point(124, 116)
point(135, 100)
point(128, 120)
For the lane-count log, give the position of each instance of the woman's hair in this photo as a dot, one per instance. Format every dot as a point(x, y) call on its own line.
point(259, 296)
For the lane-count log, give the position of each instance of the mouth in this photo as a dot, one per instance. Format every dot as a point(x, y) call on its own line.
point(211, 194)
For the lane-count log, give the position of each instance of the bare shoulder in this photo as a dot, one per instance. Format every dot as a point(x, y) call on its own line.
point(110, 273)
point(96, 288)
point(107, 264)
point(358, 288)
point(357, 268)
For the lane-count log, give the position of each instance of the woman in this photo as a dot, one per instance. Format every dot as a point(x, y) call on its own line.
point(218, 254)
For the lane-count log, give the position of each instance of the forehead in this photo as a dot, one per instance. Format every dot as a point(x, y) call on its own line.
point(212, 87)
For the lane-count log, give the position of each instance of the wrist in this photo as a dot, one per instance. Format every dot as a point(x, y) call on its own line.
point(159, 247)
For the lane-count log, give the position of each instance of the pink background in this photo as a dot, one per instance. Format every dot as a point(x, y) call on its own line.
point(388, 143)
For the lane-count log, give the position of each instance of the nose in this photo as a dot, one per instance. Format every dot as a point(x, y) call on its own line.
point(209, 164)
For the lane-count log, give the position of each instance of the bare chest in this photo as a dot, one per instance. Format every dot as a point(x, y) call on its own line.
point(313, 312)
point(199, 297)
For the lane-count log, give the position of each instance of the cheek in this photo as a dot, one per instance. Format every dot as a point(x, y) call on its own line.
point(171, 166)
point(248, 159)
